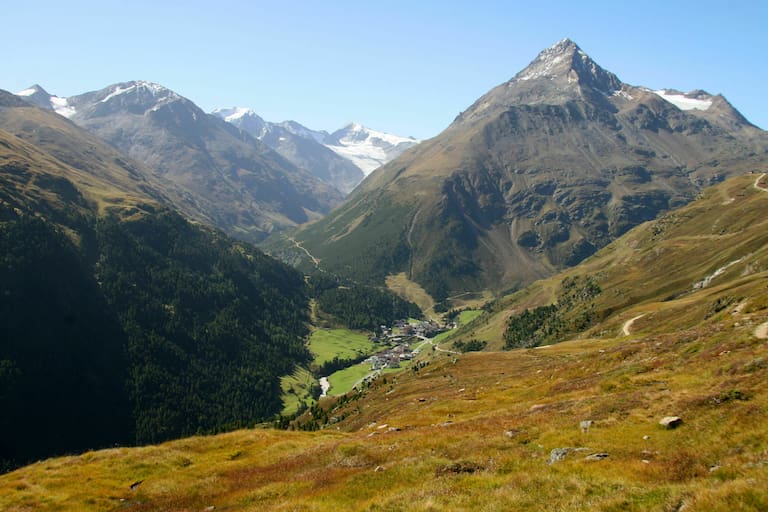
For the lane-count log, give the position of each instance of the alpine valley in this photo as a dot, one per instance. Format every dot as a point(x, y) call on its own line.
point(558, 303)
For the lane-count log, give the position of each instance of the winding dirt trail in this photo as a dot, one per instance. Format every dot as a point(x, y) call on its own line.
point(316, 261)
point(756, 184)
point(625, 328)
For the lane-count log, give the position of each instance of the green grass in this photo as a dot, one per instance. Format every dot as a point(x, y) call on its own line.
point(327, 344)
point(468, 315)
point(443, 336)
point(344, 380)
point(464, 318)
point(297, 390)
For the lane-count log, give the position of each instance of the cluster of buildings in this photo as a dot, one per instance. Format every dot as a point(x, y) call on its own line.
point(392, 357)
point(399, 336)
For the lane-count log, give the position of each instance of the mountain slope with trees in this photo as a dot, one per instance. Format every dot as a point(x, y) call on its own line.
point(121, 321)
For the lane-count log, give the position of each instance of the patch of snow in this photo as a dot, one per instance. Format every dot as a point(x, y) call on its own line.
point(232, 114)
point(158, 91)
point(369, 149)
point(683, 102)
point(367, 158)
point(623, 94)
point(237, 113)
point(118, 91)
point(27, 92)
point(61, 107)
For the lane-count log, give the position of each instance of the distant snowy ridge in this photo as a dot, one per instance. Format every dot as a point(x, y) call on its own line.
point(29, 91)
point(157, 91)
point(368, 149)
point(63, 106)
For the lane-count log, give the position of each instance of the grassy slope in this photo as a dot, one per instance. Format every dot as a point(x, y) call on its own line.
point(475, 432)
point(327, 344)
point(57, 147)
point(344, 380)
point(500, 414)
point(297, 388)
point(653, 268)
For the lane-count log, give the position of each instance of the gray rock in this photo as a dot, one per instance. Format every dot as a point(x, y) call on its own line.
point(558, 454)
point(585, 425)
point(670, 422)
point(596, 456)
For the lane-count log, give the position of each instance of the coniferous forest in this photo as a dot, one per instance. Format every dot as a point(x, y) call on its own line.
point(138, 331)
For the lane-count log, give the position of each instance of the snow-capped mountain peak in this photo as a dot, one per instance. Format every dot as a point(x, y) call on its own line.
point(368, 149)
point(302, 131)
point(364, 147)
point(565, 60)
point(32, 91)
point(232, 114)
point(138, 92)
point(245, 119)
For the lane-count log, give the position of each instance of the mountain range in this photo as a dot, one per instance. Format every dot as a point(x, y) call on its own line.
point(342, 158)
point(536, 175)
point(228, 178)
point(590, 200)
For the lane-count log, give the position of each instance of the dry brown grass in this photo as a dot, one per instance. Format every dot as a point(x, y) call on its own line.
point(406, 442)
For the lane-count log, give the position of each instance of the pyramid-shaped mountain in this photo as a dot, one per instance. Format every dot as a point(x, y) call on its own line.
point(535, 176)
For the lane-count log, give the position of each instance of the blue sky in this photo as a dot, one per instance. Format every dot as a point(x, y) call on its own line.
point(407, 67)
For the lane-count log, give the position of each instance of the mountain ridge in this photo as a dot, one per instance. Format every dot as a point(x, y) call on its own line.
point(366, 149)
point(229, 178)
point(300, 145)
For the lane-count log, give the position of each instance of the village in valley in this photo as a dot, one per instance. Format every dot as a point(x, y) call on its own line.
point(399, 340)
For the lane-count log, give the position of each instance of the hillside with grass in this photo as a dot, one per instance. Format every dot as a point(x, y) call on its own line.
point(679, 330)
point(690, 265)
